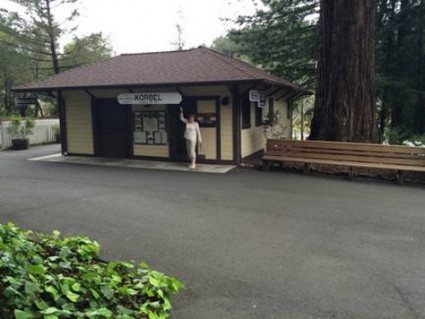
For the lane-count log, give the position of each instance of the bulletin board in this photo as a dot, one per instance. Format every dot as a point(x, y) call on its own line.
point(150, 128)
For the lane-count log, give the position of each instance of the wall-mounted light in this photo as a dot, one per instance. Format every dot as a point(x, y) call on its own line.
point(225, 100)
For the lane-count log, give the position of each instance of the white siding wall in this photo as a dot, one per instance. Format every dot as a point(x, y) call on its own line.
point(79, 123)
point(253, 139)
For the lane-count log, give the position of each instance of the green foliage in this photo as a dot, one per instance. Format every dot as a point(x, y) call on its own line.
point(21, 127)
point(402, 136)
point(14, 68)
point(401, 67)
point(273, 127)
point(271, 118)
point(49, 277)
point(91, 48)
point(282, 38)
point(226, 46)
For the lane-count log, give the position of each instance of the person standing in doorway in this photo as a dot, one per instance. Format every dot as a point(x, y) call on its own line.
point(192, 134)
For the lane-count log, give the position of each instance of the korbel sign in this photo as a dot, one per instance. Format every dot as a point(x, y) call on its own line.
point(150, 98)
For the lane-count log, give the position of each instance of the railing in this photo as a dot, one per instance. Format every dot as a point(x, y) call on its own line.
point(44, 132)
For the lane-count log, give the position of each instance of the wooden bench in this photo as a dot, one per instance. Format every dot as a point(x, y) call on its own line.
point(351, 155)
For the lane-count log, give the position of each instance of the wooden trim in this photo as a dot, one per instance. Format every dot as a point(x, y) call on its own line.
point(236, 114)
point(141, 86)
point(252, 87)
point(273, 92)
point(178, 89)
point(95, 127)
point(271, 105)
point(62, 122)
point(80, 155)
point(130, 130)
point(284, 96)
point(218, 127)
point(90, 94)
point(290, 116)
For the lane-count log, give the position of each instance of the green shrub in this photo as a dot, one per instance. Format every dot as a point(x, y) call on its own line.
point(21, 127)
point(49, 277)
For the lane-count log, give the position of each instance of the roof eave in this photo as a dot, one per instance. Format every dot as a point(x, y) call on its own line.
point(21, 89)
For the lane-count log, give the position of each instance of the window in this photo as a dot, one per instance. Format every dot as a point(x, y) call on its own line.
point(258, 116)
point(246, 113)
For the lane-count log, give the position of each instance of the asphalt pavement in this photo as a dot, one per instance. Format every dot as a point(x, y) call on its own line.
point(247, 244)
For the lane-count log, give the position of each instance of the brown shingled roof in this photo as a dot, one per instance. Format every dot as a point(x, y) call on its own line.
point(192, 66)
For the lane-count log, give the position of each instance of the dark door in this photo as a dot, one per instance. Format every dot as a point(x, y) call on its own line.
point(112, 129)
point(177, 128)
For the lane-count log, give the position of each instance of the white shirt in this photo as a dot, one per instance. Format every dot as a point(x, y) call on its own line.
point(192, 131)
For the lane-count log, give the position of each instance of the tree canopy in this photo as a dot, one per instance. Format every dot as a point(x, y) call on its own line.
point(30, 47)
point(282, 36)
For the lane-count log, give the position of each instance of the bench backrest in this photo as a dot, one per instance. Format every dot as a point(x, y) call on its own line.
point(343, 151)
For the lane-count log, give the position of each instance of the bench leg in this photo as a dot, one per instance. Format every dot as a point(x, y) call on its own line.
point(400, 177)
point(307, 169)
point(350, 174)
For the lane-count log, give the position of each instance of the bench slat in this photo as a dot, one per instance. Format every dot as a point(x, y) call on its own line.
point(419, 161)
point(344, 163)
point(347, 154)
point(350, 146)
point(344, 152)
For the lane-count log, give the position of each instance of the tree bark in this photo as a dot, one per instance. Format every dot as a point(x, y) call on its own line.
point(52, 38)
point(345, 107)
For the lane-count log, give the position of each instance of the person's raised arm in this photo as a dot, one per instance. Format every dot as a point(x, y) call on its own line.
point(182, 116)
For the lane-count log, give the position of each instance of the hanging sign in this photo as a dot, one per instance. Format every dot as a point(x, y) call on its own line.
point(25, 101)
point(254, 96)
point(150, 98)
point(259, 97)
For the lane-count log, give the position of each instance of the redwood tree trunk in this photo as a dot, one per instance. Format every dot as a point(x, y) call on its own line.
point(345, 102)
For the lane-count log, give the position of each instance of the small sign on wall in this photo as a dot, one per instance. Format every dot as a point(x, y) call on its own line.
point(207, 119)
point(259, 97)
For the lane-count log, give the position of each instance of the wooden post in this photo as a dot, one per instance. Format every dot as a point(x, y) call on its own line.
point(62, 121)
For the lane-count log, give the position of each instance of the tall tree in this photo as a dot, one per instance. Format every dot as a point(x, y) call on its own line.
point(87, 49)
point(14, 69)
point(38, 31)
point(401, 65)
point(226, 46)
point(345, 103)
point(281, 37)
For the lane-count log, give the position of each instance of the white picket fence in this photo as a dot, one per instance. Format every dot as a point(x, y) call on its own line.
point(44, 132)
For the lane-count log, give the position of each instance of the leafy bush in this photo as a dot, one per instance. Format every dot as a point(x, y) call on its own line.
point(21, 127)
point(272, 126)
point(49, 277)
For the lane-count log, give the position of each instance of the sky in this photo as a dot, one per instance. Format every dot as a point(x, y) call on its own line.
point(150, 25)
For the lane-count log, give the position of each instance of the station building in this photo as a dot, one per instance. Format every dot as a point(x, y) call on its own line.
point(128, 106)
